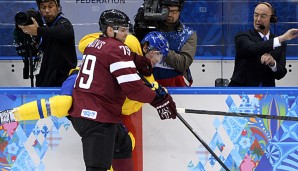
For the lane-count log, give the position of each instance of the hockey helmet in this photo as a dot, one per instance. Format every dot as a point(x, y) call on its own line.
point(156, 41)
point(113, 18)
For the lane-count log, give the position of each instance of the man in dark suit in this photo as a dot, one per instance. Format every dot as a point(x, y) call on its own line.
point(260, 55)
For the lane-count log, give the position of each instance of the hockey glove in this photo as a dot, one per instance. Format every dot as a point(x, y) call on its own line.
point(143, 65)
point(165, 106)
point(160, 91)
point(7, 116)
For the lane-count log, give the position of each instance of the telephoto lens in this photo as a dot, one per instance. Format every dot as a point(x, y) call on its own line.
point(22, 18)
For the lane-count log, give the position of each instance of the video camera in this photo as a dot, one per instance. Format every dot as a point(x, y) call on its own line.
point(148, 16)
point(153, 11)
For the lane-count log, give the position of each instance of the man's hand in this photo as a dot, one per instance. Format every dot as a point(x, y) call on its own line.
point(165, 106)
point(163, 102)
point(267, 59)
point(30, 29)
point(289, 35)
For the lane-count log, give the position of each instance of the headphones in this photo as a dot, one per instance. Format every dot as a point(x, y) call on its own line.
point(273, 18)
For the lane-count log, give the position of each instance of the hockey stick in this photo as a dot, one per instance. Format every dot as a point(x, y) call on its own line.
point(202, 141)
point(191, 130)
point(246, 115)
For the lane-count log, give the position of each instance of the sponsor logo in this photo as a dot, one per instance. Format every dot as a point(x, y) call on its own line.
point(89, 114)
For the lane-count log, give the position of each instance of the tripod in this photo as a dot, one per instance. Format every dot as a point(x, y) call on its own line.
point(28, 66)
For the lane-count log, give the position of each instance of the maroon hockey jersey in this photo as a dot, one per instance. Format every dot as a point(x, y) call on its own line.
point(107, 75)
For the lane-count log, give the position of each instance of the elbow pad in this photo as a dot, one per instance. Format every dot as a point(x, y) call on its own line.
point(143, 64)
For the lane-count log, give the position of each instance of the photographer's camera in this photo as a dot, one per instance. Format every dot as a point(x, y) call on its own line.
point(24, 18)
point(27, 45)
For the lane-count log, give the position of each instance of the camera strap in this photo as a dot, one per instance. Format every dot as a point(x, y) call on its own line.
point(37, 63)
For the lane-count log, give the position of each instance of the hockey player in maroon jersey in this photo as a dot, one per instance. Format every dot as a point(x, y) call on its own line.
point(107, 76)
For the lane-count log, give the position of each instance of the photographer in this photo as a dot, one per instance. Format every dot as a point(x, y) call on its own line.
point(57, 44)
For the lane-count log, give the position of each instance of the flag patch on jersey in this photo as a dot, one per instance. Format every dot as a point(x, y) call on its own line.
point(89, 114)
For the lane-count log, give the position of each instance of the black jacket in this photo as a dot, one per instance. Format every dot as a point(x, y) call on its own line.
point(248, 70)
point(58, 45)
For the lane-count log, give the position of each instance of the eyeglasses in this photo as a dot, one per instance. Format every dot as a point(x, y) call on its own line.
point(174, 11)
point(262, 16)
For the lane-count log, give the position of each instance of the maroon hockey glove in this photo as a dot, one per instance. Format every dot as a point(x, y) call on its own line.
point(143, 64)
point(165, 106)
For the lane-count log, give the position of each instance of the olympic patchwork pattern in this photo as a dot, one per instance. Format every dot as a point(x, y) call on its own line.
point(259, 144)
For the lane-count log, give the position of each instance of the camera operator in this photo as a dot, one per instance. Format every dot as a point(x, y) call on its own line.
point(57, 44)
point(182, 40)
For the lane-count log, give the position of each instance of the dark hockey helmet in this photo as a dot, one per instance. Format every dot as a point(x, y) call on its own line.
point(178, 3)
point(113, 18)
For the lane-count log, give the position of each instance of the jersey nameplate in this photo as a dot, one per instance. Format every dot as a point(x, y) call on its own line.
point(89, 114)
